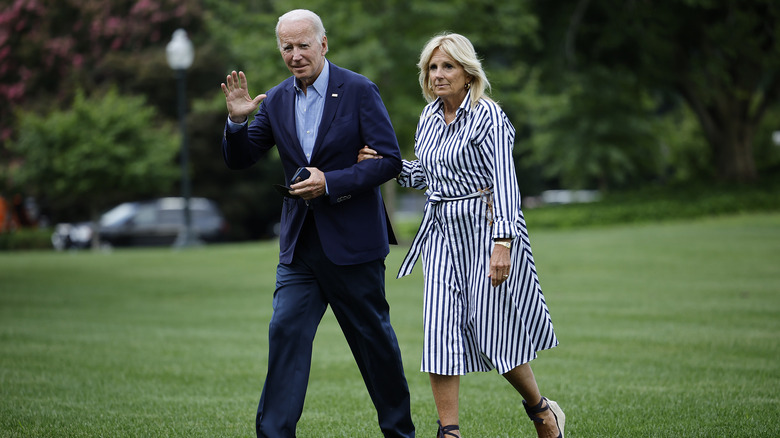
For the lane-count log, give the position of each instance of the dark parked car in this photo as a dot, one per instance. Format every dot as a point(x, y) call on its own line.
point(146, 223)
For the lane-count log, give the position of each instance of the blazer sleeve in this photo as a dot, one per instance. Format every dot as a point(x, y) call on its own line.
point(377, 132)
point(243, 148)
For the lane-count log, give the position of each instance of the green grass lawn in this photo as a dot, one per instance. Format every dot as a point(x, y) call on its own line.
point(666, 330)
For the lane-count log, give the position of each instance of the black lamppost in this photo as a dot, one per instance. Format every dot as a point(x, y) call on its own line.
point(180, 54)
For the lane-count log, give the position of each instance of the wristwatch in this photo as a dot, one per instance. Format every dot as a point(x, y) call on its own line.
point(505, 244)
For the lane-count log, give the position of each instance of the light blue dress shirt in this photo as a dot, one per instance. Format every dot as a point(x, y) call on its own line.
point(308, 110)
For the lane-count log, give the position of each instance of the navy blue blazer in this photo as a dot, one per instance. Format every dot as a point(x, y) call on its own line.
point(351, 220)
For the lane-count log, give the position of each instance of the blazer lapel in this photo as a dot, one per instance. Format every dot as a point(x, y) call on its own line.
point(287, 108)
point(332, 100)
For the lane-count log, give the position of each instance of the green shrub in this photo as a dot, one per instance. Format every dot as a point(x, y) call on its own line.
point(652, 204)
point(661, 203)
point(27, 238)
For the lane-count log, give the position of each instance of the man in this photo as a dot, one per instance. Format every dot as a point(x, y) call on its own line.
point(334, 233)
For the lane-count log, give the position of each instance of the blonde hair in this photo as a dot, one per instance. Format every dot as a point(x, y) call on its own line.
point(461, 50)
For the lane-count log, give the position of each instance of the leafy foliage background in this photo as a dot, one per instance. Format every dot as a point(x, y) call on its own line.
point(604, 94)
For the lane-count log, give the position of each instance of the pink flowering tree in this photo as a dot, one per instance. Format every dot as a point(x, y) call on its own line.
point(49, 48)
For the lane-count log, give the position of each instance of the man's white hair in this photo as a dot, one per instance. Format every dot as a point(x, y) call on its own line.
point(302, 15)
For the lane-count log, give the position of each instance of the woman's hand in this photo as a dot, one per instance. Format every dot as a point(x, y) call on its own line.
point(500, 264)
point(367, 154)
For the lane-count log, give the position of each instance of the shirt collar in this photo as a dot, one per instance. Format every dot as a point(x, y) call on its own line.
point(320, 85)
point(464, 108)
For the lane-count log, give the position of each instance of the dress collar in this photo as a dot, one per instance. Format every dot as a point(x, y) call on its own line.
point(463, 109)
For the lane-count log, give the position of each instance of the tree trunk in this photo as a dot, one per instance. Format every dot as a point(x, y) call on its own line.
point(734, 154)
point(729, 130)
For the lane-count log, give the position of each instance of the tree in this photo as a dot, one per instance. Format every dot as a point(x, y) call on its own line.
point(594, 132)
point(100, 152)
point(722, 58)
point(52, 47)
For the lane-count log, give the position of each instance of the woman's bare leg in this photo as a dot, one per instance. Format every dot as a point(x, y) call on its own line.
point(445, 395)
point(523, 380)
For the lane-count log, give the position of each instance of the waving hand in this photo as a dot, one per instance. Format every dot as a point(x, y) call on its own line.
point(239, 104)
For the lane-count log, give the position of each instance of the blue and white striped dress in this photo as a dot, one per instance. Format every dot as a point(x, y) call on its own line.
point(467, 171)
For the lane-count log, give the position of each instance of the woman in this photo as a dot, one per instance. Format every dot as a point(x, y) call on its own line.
point(483, 306)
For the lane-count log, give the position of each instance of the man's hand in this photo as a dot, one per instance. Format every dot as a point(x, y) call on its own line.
point(312, 187)
point(239, 104)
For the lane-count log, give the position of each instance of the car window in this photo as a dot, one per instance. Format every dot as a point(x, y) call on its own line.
point(146, 215)
point(171, 216)
point(118, 215)
point(202, 214)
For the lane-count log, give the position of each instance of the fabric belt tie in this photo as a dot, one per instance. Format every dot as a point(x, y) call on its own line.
point(434, 199)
